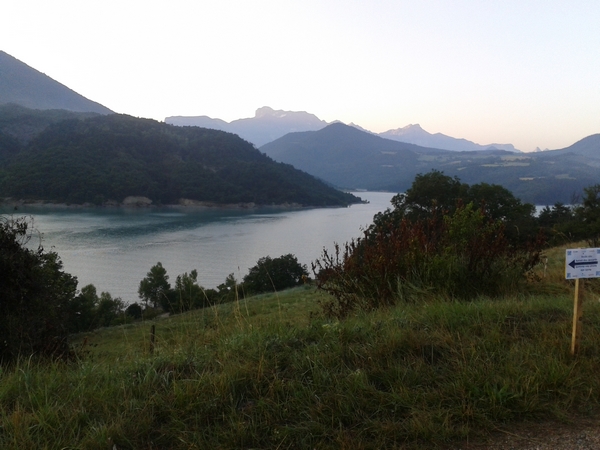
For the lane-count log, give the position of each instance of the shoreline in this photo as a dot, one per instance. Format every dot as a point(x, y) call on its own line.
point(145, 203)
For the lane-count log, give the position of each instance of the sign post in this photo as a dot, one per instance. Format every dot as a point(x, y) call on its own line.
point(580, 263)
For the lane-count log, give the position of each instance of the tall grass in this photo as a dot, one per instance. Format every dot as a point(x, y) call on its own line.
point(271, 372)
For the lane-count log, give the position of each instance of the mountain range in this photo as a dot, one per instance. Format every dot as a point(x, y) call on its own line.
point(268, 125)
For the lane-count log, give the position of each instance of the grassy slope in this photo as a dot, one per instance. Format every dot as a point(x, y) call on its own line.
point(263, 374)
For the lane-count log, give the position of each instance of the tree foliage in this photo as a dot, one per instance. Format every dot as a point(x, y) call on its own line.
point(34, 295)
point(188, 294)
point(229, 290)
point(275, 274)
point(435, 191)
point(155, 288)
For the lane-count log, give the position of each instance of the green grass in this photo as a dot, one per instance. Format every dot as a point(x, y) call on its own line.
point(271, 372)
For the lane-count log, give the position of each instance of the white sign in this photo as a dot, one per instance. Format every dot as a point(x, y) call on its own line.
point(582, 263)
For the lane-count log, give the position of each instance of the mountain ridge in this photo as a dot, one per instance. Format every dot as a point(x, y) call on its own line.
point(23, 85)
point(415, 134)
point(268, 125)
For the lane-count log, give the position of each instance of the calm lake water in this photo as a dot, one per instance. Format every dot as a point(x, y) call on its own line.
point(113, 249)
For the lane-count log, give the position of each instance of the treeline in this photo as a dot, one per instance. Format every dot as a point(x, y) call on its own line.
point(87, 310)
point(268, 275)
point(108, 158)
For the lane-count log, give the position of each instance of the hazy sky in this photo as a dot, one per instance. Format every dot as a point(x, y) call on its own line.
point(510, 71)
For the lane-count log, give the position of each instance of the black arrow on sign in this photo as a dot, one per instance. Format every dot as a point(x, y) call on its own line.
point(574, 264)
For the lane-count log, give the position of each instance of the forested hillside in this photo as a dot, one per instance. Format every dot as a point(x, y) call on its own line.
point(108, 158)
point(23, 124)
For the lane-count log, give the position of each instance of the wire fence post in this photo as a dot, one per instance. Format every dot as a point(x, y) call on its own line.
point(152, 338)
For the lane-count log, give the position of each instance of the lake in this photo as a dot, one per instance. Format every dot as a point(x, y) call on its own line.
point(114, 248)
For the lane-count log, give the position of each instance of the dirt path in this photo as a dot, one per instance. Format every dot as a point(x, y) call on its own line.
point(580, 434)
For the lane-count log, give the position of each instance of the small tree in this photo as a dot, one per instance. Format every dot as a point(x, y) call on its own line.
point(134, 310)
point(155, 288)
point(270, 275)
point(588, 213)
point(82, 310)
point(229, 290)
point(109, 309)
point(188, 294)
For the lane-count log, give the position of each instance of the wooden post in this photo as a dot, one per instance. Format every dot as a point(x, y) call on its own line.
point(577, 317)
point(153, 338)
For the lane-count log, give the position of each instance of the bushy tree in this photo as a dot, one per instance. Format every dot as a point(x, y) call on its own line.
point(35, 294)
point(442, 237)
point(430, 191)
point(134, 311)
point(276, 274)
point(155, 288)
point(439, 193)
point(109, 310)
point(82, 310)
point(89, 311)
point(188, 294)
point(230, 290)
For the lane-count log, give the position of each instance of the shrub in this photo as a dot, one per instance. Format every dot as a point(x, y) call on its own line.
point(459, 255)
point(276, 274)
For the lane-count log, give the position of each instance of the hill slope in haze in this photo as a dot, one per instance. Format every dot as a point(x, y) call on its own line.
point(25, 86)
point(266, 125)
point(588, 147)
point(350, 158)
point(414, 134)
point(112, 157)
point(345, 156)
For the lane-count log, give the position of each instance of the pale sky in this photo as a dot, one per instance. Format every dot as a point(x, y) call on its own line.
point(524, 72)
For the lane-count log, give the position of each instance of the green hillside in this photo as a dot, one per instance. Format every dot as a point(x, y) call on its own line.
point(107, 158)
point(261, 373)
